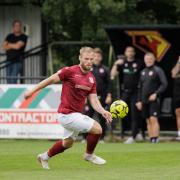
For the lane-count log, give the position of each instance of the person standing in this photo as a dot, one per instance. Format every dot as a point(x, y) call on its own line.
point(102, 76)
point(129, 70)
point(14, 45)
point(78, 83)
point(152, 84)
point(176, 94)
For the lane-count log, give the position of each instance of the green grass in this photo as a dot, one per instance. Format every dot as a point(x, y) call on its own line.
point(142, 161)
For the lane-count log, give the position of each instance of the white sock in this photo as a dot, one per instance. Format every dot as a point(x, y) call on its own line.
point(45, 156)
point(179, 133)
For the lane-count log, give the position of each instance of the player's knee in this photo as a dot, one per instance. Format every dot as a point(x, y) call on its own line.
point(68, 143)
point(96, 129)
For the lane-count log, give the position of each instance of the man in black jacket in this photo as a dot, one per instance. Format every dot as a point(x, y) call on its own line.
point(128, 70)
point(152, 84)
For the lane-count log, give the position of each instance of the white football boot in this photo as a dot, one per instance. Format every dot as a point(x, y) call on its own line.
point(130, 140)
point(43, 161)
point(94, 159)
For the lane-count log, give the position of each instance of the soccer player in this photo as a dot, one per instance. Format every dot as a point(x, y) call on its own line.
point(78, 83)
point(152, 84)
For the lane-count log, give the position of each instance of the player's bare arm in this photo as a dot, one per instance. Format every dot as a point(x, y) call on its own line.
point(51, 80)
point(98, 107)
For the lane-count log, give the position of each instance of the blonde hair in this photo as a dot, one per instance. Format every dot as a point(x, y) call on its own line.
point(85, 49)
point(98, 50)
point(150, 54)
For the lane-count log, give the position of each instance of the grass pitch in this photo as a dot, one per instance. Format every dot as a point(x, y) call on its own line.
point(141, 161)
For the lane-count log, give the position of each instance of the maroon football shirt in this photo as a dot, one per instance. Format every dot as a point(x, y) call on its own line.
point(76, 86)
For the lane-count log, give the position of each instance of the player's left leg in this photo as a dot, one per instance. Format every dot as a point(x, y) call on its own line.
point(155, 129)
point(154, 113)
point(59, 147)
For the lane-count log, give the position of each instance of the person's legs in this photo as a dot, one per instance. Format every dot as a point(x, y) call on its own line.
point(89, 111)
point(92, 140)
point(177, 111)
point(59, 147)
point(13, 70)
point(154, 125)
point(135, 114)
point(125, 121)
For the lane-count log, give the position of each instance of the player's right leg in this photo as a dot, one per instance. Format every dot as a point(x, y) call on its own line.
point(59, 147)
point(92, 140)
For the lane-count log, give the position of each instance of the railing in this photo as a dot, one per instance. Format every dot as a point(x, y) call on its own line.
point(34, 66)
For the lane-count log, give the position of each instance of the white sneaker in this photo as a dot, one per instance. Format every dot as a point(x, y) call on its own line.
point(94, 159)
point(44, 163)
point(101, 142)
point(130, 140)
point(83, 141)
point(139, 137)
point(177, 138)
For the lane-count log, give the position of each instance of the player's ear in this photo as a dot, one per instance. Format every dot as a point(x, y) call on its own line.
point(79, 57)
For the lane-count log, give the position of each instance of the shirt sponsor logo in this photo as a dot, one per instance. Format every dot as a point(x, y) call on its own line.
point(78, 86)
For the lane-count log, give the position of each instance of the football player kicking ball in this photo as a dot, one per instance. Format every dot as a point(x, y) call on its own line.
point(78, 83)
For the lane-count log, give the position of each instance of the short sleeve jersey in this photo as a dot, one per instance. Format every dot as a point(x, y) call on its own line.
point(76, 86)
point(13, 53)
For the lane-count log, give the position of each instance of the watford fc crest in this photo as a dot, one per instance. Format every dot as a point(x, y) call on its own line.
point(150, 41)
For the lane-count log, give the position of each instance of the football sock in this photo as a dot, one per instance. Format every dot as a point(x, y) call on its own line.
point(154, 139)
point(92, 140)
point(179, 133)
point(56, 149)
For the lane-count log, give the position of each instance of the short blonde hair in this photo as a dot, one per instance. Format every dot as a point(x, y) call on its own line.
point(85, 49)
point(98, 50)
point(150, 54)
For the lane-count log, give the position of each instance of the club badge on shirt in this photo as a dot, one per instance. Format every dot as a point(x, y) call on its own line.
point(91, 80)
point(134, 65)
point(150, 73)
point(101, 70)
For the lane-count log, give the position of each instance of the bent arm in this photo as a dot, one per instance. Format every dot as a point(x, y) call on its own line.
point(114, 71)
point(163, 82)
point(51, 80)
point(18, 45)
point(95, 103)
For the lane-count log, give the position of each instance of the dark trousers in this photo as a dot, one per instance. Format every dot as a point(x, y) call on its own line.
point(13, 70)
point(130, 97)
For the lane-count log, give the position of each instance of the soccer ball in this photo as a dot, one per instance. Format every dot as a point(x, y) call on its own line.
point(119, 109)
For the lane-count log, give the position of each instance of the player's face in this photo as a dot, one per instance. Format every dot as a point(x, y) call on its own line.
point(149, 60)
point(17, 27)
point(97, 58)
point(130, 53)
point(86, 60)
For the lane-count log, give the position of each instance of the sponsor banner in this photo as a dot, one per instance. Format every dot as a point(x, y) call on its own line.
point(35, 118)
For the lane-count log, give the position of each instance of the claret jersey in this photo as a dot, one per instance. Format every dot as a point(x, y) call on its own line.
point(76, 86)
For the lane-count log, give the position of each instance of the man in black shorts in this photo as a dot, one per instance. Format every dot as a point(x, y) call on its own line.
point(14, 45)
point(176, 94)
point(151, 85)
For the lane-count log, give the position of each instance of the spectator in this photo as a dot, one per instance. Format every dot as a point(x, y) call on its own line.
point(102, 75)
point(176, 94)
point(151, 85)
point(14, 45)
point(129, 70)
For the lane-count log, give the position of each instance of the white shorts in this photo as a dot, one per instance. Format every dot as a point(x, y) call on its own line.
point(75, 123)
